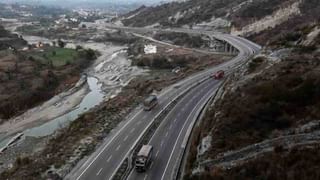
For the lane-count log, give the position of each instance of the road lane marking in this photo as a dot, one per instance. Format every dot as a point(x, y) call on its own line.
point(157, 153)
point(125, 138)
point(145, 177)
point(175, 120)
point(161, 143)
point(118, 147)
point(131, 131)
point(144, 117)
point(104, 148)
point(99, 172)
point(151, 165)
point(109, 158)
point(180, 133)
point(170, 126)
point(139, 122)
point(166, 134)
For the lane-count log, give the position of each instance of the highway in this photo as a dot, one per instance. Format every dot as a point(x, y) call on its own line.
point(168, 138)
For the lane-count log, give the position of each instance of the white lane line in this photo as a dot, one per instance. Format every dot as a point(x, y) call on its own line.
point(145, 177)
point(104, 148)
point(131, 131)
point(161, 143)
point(170, 126)
point(157, 153)
point(125, 138)
point(118, 147)
point(151, 165)
point(99, 172)
point(175, 120)
point(166, 134)
point(109, 158)
point(180, 133)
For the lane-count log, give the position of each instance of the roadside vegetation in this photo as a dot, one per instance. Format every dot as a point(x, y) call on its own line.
point(30, 77)
point(80, 139)
point(268, 105)
point(184, 39)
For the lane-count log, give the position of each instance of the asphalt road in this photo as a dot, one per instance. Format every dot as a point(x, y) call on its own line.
point(170, 135)
point(169, 138)
point(103, 163)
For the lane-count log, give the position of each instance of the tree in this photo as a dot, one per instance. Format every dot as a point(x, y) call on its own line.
point(61, 44)
point(78, 47)
point(90, 54)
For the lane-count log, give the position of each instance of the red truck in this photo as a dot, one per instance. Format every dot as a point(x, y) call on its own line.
point(218, 75)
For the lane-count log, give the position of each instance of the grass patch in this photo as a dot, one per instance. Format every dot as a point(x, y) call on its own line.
point(56, 56)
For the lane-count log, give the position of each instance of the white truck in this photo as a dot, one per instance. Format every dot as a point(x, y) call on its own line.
point(143, 159)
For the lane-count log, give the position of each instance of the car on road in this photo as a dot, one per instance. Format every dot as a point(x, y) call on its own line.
point(218, 75)
point(143, 158)
point(150, 102)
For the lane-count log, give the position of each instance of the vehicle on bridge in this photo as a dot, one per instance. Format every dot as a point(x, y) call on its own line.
point(143, 159)
point(150, 102)
point(218, 75)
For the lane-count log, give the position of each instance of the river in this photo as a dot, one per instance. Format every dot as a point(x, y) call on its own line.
point(104, 80)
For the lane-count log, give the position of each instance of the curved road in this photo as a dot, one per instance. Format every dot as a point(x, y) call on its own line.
point(168, 138)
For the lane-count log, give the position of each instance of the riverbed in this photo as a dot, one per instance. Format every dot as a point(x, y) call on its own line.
point(104, 79)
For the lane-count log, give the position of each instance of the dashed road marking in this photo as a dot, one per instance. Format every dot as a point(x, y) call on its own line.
point(118, 147)
point(157, 153)
point(109, 158)
point(99, 172)
point(166, 134)
point(131, 131)
point(125, 138)
point(145, 177)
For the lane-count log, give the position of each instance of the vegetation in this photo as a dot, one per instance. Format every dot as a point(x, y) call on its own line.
point(36, 75)
point(255, 63)
point(282, 97)
point(297, 163)
point(182, 39)
point(196, 11)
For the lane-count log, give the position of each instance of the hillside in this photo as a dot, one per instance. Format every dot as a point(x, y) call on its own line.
point(279, 98)
point(241, 17)
point(35, 74)
point(265, 122)
point(10, 40)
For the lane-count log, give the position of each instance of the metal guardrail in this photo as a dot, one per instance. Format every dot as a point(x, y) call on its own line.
point(128, 163)
point(119, 175)
point(177, 172)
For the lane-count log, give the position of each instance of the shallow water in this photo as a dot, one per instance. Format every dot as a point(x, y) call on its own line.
point(93, 98)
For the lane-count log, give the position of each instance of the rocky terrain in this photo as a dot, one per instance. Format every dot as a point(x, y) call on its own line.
point(261, 125)
point(241, 17)
point(279, 131)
